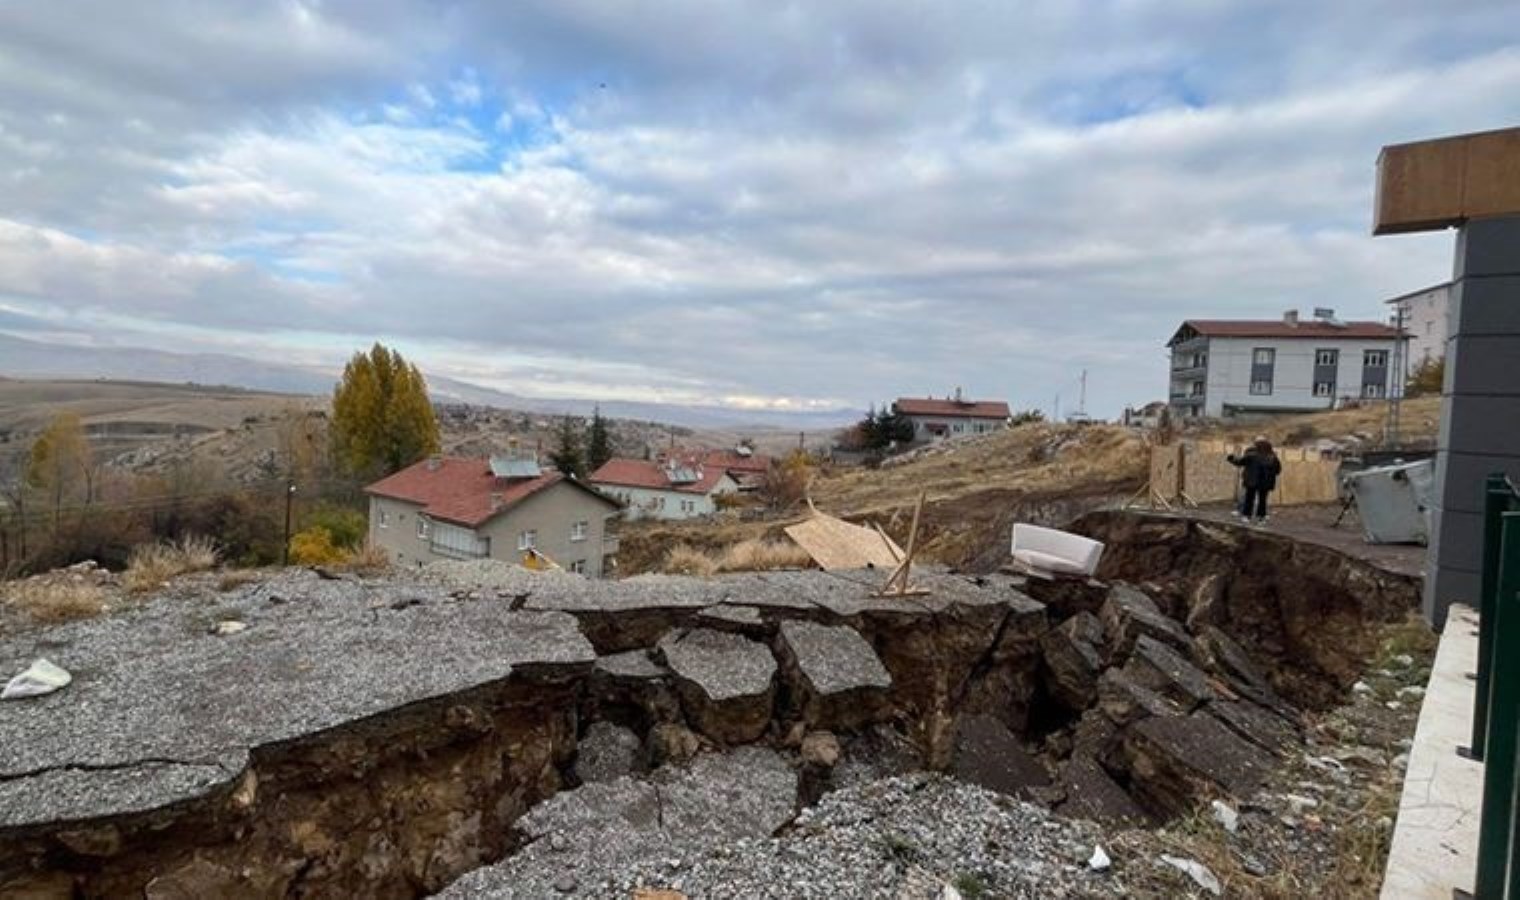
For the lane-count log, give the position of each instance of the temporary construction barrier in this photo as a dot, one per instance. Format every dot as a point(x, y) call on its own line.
point(1194, 472)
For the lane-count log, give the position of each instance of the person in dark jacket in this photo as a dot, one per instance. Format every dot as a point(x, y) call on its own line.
point(1259, 468)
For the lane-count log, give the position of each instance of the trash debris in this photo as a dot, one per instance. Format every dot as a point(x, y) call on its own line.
point(835, 544)
point(948, 892)
point(1050, 551)
point(229, 627)
point(1298, 803)
point(1099, 861)
point(41, 677)
point(1197, 871)
point(1361, 687)
point(1226, 816)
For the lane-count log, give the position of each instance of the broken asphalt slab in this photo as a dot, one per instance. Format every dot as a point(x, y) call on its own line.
point(162, 712)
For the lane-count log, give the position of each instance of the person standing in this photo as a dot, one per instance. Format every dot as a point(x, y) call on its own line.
point(1259, 468)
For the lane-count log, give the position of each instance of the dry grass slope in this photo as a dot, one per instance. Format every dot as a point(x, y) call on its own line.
point(51, 601)
point(153, 564)
point(751, 555)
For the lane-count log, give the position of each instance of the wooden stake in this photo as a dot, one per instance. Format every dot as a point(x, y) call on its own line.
point(897, 583)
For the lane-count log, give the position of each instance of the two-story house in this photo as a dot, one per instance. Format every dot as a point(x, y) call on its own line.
point(1222, 368)
point(501, 508)
point(673, 488)
point(955, 416)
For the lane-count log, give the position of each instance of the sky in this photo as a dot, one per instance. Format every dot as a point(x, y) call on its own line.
point(754, 204)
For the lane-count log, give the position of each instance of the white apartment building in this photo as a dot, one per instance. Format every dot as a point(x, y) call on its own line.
point(1222, 368)
point(1424, 312)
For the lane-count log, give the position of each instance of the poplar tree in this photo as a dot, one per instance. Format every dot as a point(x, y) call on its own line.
point(382, 418)
point(60, 464)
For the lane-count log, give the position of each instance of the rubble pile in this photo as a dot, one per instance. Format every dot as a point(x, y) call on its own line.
point(388, 736)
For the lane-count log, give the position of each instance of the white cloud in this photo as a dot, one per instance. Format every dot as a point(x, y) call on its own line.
point(776, 207)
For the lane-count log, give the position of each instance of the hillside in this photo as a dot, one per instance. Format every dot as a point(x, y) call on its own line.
point(975, 488)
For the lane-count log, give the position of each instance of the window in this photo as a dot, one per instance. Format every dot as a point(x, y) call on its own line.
point(456, 542)
point(578, 531)
point(1261, 387)
point(578, 567)
point(1372, 391)
point(1326, 357)
point(1263, 356)
point(1196, 389)
point(1374, 359)
point(527, 539)
point(422, 527)
point(1324, 388)
point(385, 519)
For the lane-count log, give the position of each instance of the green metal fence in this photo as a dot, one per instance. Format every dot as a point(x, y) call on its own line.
point(1496, 709)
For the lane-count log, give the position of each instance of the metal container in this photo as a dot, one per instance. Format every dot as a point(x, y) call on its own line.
point(1394, 501)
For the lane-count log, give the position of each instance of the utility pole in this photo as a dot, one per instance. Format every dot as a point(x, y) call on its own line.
point(290, 496)
point(1399, 376)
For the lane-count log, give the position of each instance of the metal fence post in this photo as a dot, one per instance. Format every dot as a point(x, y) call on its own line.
point(1496, 499)
point(1495, 828)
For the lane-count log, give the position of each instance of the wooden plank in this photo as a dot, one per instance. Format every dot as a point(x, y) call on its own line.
point(836, 545)
point(1430, 185)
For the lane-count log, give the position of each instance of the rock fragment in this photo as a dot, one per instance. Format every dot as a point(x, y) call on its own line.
point(725, 681)
point(836, 678)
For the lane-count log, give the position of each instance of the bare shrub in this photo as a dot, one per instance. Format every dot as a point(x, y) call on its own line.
point(786, 484)
point(50, 599)
point(753, 555)
point(685, 560)
point(366, 559)
point(150, 565)
point(758, 554)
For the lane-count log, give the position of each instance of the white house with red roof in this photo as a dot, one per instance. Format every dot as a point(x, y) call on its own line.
point(501, 508)
point(746, 467)
point(671, 488)
point(1228, 367)
point(935, 419)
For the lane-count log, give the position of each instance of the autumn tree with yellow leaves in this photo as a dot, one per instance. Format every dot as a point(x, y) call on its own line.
point(61, 466)
point(382, 419)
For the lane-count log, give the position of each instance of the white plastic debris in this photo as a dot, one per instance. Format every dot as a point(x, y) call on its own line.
point(1100, 861)
point(1197, 871)
point(948, 892)
point(229, 627)
point(1225, 816)
point(41, 677)
point(1361, 687)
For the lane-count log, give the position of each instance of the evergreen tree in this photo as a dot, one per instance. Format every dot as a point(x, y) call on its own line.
point(598, 442)
point(382, 418)
point(566, 455)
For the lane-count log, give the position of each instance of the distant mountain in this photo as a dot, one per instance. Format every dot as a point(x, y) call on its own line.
point(22, 358)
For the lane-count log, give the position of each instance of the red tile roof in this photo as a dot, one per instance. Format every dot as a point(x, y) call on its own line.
point(954, 409)
point(1277, 328)
point(728, 460)
point(461, 490)
point(643, 473)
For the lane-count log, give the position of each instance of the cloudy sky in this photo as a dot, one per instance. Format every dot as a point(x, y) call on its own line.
point(750, 203)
